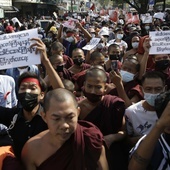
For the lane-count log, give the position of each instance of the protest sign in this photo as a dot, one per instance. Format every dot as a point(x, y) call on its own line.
point(160, 42)
point(15, 19)
point(71, 23)
point(113, 15)
point(93, 43)
point(15, 49)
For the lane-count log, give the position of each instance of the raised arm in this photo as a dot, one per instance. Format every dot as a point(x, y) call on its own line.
point(116, 79)
point(141, 157)
point(84, 31)
point(53, 76)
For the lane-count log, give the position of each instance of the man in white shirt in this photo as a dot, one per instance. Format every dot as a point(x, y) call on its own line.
point(141, 117)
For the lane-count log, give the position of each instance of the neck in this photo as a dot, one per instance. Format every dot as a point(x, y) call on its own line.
point(118, 40)
point(29, 115)
point(147, 107)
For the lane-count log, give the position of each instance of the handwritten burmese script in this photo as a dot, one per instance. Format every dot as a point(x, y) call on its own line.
point(15, 49)
point(160, 42)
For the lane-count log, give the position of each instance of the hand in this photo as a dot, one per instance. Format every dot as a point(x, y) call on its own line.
point(40, 48)
point(115, 77)
point(146, 44)
point(109, 87)
point(78, 25)
point(164, 120)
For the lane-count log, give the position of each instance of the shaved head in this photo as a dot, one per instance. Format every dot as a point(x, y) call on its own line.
point(97, 71)
point(60, 95)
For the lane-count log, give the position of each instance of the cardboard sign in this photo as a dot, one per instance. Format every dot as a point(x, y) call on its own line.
point(15, 49)
point(93, 43)
point(160, 42)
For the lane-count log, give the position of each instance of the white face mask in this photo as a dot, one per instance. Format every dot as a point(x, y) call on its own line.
point(119, 36)
point(147, 27)
point(126, 76)
point(150, 98)
point(135, 45)
point(70, 39)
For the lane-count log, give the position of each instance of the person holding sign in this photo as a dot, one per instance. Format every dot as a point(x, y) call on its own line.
point(26, 122)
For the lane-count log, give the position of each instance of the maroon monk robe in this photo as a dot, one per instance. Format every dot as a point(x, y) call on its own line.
point(65, 74)
point(131, 88)
point(108, 115)
point(80, 152)
point(68, 61)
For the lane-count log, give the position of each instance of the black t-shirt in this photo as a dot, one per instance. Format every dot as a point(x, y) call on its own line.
point(22, 130)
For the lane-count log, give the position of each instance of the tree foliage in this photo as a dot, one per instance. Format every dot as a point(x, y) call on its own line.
point(142, 5)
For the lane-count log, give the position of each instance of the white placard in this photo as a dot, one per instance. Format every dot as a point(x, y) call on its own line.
point(15, 19)
point(15, 49)
point(93, 43)
point(71, 23)
point(160, 42)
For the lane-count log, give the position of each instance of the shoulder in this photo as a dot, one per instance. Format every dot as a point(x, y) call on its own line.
point(33, 145)
point(135, 106)
point(112, 99)
point(92, 135)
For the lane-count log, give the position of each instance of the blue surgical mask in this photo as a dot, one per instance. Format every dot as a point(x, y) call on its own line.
point(150, 98)
point(70, 39)
point(119, 36)
point(126, 76)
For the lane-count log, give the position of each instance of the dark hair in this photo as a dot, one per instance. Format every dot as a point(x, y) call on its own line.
point(94, 55)
point(152, 75)
point(60, 95)
point(113, 46)
point(57, 46)
point(43, 85)
point(132, 58)
point(94, 72)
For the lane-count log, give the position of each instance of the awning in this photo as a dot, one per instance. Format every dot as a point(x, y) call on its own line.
point(9, 9)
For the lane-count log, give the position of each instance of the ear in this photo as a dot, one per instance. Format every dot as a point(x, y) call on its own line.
point(165, 88)
point(43, 115)
point(42, 95)
point(78, 111)
point(141, 89)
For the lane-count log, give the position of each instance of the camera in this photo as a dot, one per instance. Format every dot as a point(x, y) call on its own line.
point(161, 102)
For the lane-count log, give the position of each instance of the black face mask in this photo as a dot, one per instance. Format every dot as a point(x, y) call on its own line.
point(114, 56)
point(162, 64)
point(78, 61)
point(28, 100)
point(60, 68)
point(92, 97)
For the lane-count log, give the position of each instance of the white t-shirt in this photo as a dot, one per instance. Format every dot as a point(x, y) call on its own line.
point(138, 120)
point(7, 92)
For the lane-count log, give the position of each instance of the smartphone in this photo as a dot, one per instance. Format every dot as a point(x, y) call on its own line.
point(114, 65)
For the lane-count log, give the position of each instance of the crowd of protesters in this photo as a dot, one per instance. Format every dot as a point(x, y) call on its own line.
point(94, 109)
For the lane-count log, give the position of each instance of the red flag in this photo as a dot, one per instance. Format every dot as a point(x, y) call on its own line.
point(113, 15)
point(135, 19)
point(92, 7)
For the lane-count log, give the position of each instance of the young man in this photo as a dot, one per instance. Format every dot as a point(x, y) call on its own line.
point(67, 144)
point(79, 61)
point(105, 111)
point(26, 122)
point(141, 117)
point(152, 151)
